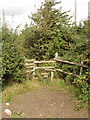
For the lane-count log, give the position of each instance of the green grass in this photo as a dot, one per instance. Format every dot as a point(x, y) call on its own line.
point(11, 91)
point(16, 116)
point(60, 84)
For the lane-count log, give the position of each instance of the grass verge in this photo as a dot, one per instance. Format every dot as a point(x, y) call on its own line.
point(62, 85)
point(12, 90)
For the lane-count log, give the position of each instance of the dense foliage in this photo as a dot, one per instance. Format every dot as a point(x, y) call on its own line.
point(50, 32)
point(12, 60)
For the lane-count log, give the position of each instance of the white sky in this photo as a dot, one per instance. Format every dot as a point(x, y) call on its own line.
point(20, 9)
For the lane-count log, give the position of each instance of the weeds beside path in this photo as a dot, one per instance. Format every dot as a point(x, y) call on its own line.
point(44, 102)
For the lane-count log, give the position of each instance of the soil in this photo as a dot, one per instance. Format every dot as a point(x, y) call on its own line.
point(44, 102)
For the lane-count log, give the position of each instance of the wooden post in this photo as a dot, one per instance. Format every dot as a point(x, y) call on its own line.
point(27, 76)
point(34, 70)
point(52, 76)
point(34, 73)
point(0, 80)
point(56, 55)
point(81, 68)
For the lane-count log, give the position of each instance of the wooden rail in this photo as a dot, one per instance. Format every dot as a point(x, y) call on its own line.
point(31, 66)
point(67, 73)
point(81, 65)
point(45, 67)
point(29, 60)
point(44, 62)
point(72, 63)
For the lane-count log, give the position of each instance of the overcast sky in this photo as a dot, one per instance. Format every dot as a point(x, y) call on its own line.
point(20, 9)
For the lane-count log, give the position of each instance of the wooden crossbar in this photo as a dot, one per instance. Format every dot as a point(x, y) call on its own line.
point(29, 60)
point(49, 69)
point(29, 64)
point(72, 63)
point(45, 67)
point(67, 73)
point(30, 67)
point(29, 71)
point(44, 62)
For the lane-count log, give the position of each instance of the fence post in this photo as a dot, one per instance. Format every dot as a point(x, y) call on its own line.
point(34, 70)
point(56, 55)
point(27, 76)
point(81, 69)
point(52, 76)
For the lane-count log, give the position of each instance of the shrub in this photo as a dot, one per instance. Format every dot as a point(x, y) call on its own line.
point(12, 63)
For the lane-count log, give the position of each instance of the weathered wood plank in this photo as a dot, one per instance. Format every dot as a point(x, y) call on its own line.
point(72, 63)
point(81, 69)
point(29, 71)
point(52, 76)
point(44, 62)
point(45, 67)
point(29, 64)
point(49, 69)
point(29, 60)
point(29, 67)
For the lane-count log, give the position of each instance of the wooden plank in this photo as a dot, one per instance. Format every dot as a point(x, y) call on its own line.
point(29, 71)
point(45, 76)
point(29, 60)
point(72, 63)
point(45, 67)
point(52, 76)
point(29, 67)
point(67, 73)
point(29, 64)
point(27, 76)
point(49, 69)
point(44, 62)
point(34, 73)
point(81, 68)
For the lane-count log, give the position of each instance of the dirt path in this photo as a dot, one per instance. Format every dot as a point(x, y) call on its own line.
point(45, 103)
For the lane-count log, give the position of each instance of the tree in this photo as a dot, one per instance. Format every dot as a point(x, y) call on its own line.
point(12, 59)
point(52, 30)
